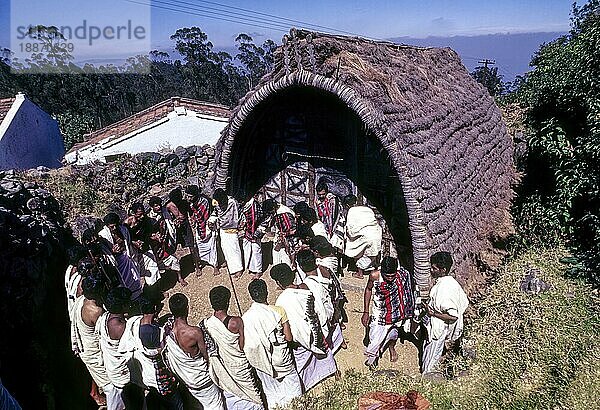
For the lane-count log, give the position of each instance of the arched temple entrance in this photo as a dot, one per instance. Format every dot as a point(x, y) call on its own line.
point(417, 135)
point(310, 125)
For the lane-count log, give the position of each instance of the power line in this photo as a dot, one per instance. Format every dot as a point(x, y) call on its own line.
point(239, 16)
point(254, 20)
point(208, 16)
point(304, 23)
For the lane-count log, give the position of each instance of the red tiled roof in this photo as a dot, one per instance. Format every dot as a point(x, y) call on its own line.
point(149, 116)
point(5, 104)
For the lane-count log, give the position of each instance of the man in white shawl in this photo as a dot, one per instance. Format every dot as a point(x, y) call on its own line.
point(111, 326)
point(447, 304)
point(251, 218)
point(204, 232)
point(164, 238)
point(363, 238)
point(86, 311)
point(314, 360)
point(186, 356)
point(144, 338)
point(227, 218)
point(228, 364)
point(318, 281)
point(283, 223)
point(267, 333)
point(330, 211)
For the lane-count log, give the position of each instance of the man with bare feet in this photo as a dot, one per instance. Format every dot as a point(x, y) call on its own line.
point(164, 238)
point(187, 357)
point(393, 303)
point(204, 233)
point(86, 311)
point(228, 362)
point(227, 218)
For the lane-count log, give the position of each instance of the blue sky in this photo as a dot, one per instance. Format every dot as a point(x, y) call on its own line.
point(373, 19)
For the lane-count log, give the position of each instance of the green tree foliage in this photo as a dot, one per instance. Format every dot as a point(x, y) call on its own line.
point(257, 61)
point(562, 100)
point(100, 95)
point(490, 79)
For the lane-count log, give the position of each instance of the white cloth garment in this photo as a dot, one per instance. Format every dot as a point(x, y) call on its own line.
point(148, 266)
point(446, 296)
point(115, 362)
point(432, 352)
point(299, 304)
point(379, 337)
point(313, 368)
point(88, 343)
point(337, 337)
point(71, 285)
point(231, 250)
point(319, 229)
point(252, 255)
point(329, 262)
point(207, 247)
point(267, 350)
point(281, 255)
point(363, 233)
point(264, 344)
point(193, 372)
point(229, 367)
point(321, 289)
point(233, 402)
point(114, 399)
point(131, 342)
point(280, 392)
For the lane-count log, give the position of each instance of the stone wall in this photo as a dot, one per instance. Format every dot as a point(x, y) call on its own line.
point(36, 364)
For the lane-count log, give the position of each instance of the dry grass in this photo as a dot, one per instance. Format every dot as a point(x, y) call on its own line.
point(533, 351)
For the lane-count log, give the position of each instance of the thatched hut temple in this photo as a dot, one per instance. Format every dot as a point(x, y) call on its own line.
point(418, 136)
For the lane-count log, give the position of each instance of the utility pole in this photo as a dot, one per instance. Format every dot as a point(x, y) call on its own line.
point(486, 71)
point(486, 62)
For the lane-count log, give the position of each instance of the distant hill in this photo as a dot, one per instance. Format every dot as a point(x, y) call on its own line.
point(512, 52)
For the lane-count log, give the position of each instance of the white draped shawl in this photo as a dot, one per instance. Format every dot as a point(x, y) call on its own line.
point(229, 368)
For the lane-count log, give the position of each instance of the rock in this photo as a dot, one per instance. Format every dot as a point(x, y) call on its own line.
point(44, 193)
point(531, 284)
point(42, 168)
point(210, 151)
point(203, 161)
point(192, 150)
point(34, 204)
point(11, 187)
point(182, 154)
point(172, 160)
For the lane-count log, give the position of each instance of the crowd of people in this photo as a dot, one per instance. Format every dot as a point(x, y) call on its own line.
point(271, 353)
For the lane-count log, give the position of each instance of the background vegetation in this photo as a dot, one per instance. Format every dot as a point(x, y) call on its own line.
point(533, 351)
point(101, 95)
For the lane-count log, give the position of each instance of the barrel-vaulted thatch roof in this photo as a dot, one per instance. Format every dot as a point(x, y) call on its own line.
point(441, 131)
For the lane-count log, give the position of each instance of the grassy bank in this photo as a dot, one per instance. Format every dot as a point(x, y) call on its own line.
point(533, 351)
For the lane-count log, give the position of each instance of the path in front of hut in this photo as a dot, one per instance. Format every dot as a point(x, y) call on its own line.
point(350, 358)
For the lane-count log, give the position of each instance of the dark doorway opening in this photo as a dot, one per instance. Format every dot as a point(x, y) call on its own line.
point(307, 124)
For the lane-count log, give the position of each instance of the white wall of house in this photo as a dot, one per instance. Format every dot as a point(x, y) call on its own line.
point(29, 137)
point(180, 128)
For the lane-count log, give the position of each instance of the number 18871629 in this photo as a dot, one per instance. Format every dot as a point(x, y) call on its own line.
point(46, 48)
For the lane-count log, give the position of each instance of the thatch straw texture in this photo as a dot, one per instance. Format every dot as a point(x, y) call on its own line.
point(443, 133)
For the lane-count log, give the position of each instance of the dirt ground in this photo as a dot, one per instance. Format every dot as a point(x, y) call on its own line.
point(352, 357)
